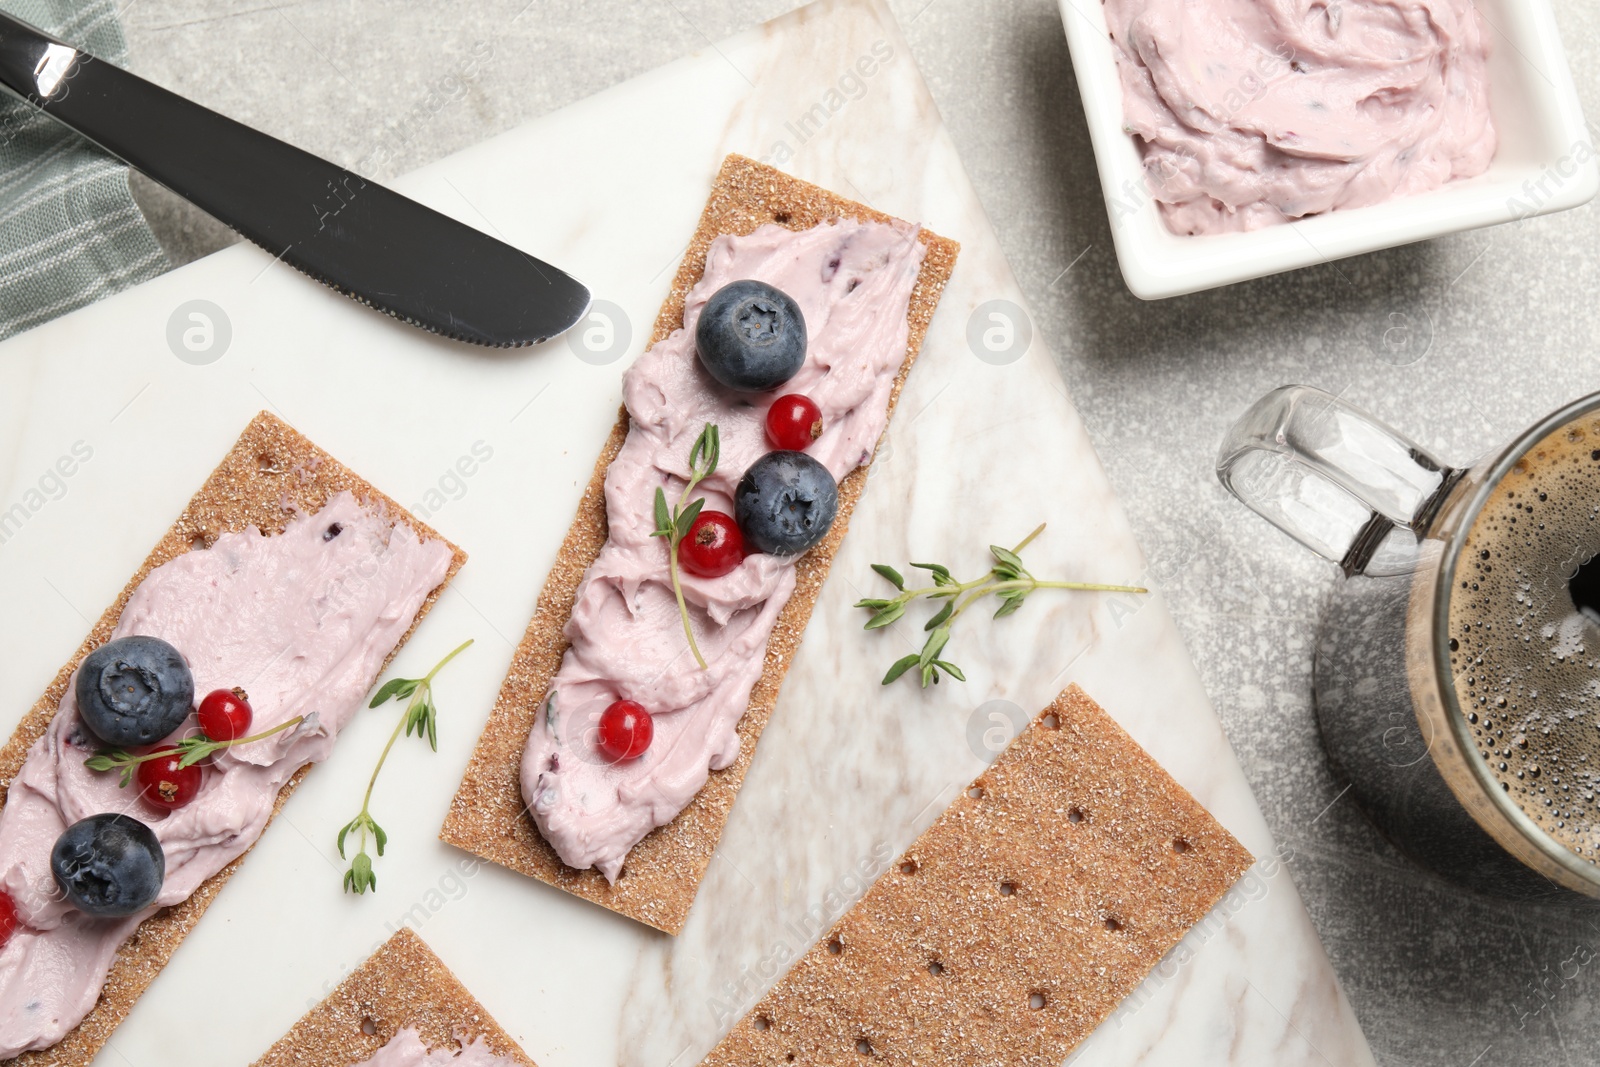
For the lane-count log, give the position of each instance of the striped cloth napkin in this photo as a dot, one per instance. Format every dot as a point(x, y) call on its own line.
point(70, 232)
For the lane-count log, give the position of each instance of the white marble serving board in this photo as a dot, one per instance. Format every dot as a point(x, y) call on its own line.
point(980, 451)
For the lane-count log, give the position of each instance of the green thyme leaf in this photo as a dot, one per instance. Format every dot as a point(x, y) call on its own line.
point(686, 519)
point(189, 750)
point(707, 450)
point(674, 525)
point(1007, 557)
point(394, 687)
point(886, 616)
point(422, 716)
point(1008, 579)
point(663, 516)
point(359, 878)
point(890, 573)
point(901, 665)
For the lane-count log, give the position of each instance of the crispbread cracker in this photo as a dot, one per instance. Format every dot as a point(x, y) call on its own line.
point(402, 985)
point(663, 872)
point(1016, 923)
point(269, 465)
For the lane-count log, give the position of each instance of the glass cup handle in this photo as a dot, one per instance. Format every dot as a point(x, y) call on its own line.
point(1334, 478)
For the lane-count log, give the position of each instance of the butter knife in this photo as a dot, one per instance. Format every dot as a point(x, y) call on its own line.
point(351, 234)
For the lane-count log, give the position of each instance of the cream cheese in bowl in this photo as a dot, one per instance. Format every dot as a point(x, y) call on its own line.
point(1250, 113)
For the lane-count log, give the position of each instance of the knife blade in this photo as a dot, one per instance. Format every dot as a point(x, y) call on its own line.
point(351, 234)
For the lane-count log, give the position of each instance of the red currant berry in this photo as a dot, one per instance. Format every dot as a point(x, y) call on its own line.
point(793, 422)
point(225, 714)
point(8, 918)
point(167, 785)
point(714, 546)
point(625, 731)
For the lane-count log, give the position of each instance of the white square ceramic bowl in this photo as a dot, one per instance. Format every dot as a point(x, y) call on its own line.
point(1546, 162)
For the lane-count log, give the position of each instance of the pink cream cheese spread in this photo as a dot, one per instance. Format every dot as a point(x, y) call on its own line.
point(303, 620)
point(853, 283)
point(1256, 112)
point(406, 1049)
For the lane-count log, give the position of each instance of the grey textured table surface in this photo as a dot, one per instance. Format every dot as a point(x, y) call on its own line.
point(1506, 325)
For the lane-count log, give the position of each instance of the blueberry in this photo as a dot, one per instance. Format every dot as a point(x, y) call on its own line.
point(109, 865)
point(134, 691)
point(750, 336)
point(785, 503)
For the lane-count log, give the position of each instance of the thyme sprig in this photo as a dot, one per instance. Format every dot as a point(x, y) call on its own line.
point(189, 750)
point(1007, 579)
point(421, 715)
point(674, 525)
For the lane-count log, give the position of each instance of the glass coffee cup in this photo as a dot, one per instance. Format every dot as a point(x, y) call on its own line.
point(1457, 675)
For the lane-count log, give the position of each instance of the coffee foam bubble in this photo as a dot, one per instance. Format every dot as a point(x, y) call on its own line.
point(1525, 657)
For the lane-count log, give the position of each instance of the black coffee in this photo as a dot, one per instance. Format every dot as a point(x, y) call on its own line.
point(1525, 634)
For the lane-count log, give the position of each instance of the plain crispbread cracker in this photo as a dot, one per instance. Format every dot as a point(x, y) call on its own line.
point(270, 465)
point(402, 985)
point(663, 872)
point(1016, 923)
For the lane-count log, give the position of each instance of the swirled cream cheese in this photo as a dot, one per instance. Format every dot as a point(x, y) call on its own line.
point(407, 1049)
point(1255, 112)
point(853, 283)
point(303, 620)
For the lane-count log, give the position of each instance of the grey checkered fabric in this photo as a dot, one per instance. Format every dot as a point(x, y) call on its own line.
point(70, 232)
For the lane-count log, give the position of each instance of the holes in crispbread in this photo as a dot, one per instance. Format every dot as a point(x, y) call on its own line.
point(762, 1023)
point(1008, 888)
point(908, 866)
point(1075, 814)
point(1180, 846)
point(1113, 923)
point(267, 463)
point(864, 1046)
point(975, 791)
point(1037, 1000)
point(1052, 721)
point(782, 218)
point(369, 1026)
point(935, 968)
point(835, 946)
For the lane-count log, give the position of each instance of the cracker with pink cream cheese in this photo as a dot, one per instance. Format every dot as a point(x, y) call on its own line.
point(305, 616)
point(853, 282)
